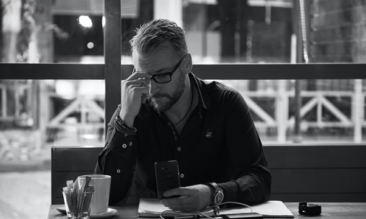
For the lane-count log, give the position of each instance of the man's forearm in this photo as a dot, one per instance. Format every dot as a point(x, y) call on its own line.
point(251, 188)
point(254, 189)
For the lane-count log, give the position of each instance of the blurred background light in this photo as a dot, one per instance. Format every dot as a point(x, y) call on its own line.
point(90, 45)
point(85, 21)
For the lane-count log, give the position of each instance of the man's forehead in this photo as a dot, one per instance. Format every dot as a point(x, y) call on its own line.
point(152, 63)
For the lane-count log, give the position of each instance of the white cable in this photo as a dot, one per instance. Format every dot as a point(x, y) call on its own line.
point(238, 203)
point(205, 215)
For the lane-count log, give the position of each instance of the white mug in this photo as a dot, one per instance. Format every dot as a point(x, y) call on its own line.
point(100, 200)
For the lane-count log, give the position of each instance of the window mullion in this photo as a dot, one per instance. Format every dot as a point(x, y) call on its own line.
point(112, 57)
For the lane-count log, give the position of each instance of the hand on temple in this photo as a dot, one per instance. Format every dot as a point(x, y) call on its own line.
point(134, 89)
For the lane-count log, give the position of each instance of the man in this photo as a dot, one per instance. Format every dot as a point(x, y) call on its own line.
point(167, 113)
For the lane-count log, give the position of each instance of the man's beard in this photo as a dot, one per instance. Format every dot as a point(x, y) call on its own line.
point(172, 99)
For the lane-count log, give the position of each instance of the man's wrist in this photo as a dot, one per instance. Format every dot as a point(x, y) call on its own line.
point(127, 119)
point(212, 190)
point(122, 127)
point(210, 194)
point(217, 194)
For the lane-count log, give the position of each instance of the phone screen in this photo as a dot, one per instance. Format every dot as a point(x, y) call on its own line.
point(167, 176)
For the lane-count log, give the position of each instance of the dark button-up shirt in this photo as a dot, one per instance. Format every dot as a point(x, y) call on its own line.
point(219, 143)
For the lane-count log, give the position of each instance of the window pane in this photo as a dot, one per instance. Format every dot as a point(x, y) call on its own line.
point(61, 31)
point(43, 113)
point(78, 113)
point(332, 111)
point(217, 31)
point(262, 31)
point(79, 39)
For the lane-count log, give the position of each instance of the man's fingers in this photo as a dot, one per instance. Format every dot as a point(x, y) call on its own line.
point(175, 202)
point(179, 204)
point(137, 81)
point(183, 199)
point(143, 98)
point(178, 191)
point(137, 75)
point(141, 92)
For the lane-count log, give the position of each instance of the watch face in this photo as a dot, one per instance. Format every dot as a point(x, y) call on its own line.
point(219, 196)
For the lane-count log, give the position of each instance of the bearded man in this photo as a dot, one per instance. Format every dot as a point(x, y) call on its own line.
point(167, 113)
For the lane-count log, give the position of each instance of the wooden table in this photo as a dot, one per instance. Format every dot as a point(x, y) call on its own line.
point(329, 210)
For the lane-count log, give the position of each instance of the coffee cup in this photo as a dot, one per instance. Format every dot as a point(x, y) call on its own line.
point(100, 199)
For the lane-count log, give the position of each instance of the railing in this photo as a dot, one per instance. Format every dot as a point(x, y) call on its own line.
point(318, 100)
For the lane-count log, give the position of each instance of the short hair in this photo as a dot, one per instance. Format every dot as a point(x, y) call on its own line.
point(153, 33)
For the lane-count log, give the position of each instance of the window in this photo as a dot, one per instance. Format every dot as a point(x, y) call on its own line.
point(331, 111)
point(251, 45)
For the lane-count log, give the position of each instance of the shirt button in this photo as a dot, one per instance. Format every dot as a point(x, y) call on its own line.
point(118, 170)
point(182, 175)
point(130, 143)
point(124, 145)
point(179, 148)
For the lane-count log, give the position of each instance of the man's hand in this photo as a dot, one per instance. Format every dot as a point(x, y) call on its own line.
point(135, 90)
point(193, 198)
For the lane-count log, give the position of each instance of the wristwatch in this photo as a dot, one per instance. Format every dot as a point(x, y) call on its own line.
point(217, 194)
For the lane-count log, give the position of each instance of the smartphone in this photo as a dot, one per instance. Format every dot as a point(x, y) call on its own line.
point(167, 176)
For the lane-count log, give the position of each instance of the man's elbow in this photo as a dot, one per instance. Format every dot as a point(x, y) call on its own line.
point(263, 189)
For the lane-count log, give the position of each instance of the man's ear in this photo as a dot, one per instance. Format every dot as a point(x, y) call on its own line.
point(187, 64)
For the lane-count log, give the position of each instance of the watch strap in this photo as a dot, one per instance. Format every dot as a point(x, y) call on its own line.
point(216, 191)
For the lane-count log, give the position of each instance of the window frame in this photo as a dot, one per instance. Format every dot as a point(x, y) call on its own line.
point(109, 71)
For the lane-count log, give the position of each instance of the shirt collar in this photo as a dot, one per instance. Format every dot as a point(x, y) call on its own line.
point(204, 100)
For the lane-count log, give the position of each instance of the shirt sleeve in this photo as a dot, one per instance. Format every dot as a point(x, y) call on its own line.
point(117, 159)
point(251, 177)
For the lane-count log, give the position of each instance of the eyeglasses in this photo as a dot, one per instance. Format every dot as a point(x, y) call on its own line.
point(165, 77)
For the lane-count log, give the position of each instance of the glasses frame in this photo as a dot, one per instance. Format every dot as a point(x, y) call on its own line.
point(167, 73)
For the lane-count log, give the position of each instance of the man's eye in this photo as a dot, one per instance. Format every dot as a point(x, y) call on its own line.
point(161, 76)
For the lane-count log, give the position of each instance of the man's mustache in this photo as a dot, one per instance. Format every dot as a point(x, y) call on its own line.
point(159, 96)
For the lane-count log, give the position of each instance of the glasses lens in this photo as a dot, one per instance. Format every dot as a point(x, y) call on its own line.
point(163, 78)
